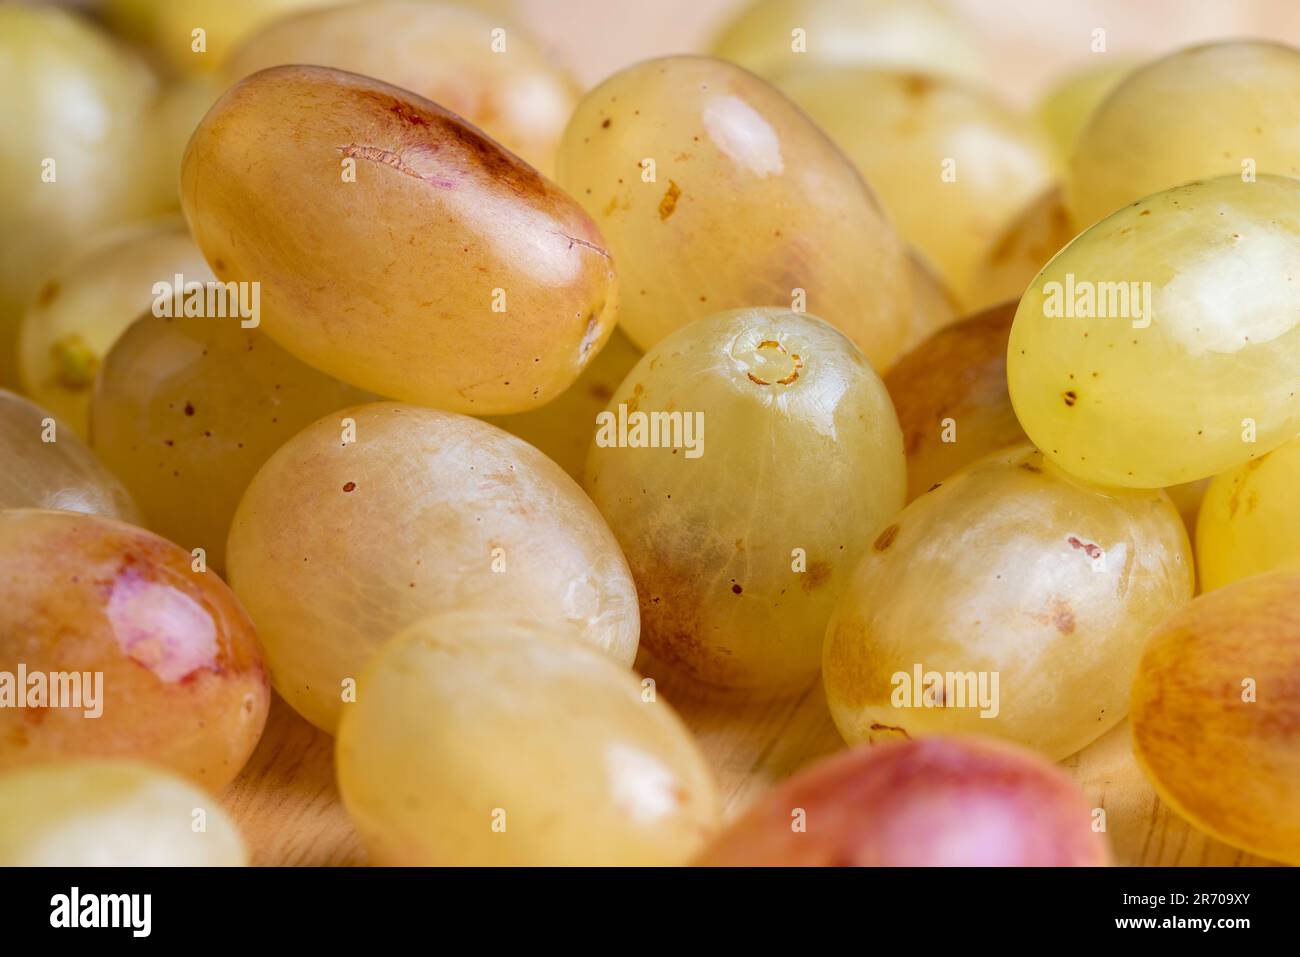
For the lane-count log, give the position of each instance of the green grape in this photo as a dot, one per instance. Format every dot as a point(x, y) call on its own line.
point(1161, 346)
point(936, 802)
point(951, 164)
point(1025, 591)
point(1213, 110)
point(444, 52)
point(47, 466)
point(181, 679)
point(1021, 250)
point(950, 394)
point(104, 813)
point(480, 739)
point(1249, 521)
point(413, 256)
point(738, 556)
point(373, 518)
point(933, 306)
point(890, 34)
point(1068, 105)
point(82, 309)
point(1215, 713)
point(73, 111)
point(564, 427)
point(185, 412)
point(716, 192)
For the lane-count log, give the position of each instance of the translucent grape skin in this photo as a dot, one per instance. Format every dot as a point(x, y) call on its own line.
point(1204, 378)
point(950, 394)
point(381, 515)
point(959, 801)
point(564, 427)
point(1213, 110)
point(951, 164)
point(74, 97)
point(111, 813)
point(81, 310)
point(888, 34)
point(186, 410)
point(1021, 250)
point(478, 739)
point(442, 269)
point(444, 52)
point(1214, 714)
point(738, 556)
point(1009, 568)
point(747, 204)
point(1249, 521)
point(58, 474)
point(183, 685)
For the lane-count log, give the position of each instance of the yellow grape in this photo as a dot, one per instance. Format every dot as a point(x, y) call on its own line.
point(380, 515)
point(1180, 358)
point(105, 813)
point(444, 52)
point(181, 681)
point(933, 306)
point(1068, 105)
point(950, 394)
point(1249, 521)
point(412, 257)
point(1215, 713)
point(1021, 250)
point(482, 739)
point(81, 310)
point(737, 553)
point(47, 466)
point(1012, 572)
point(185, 412)
point(1213, 110)
point(716, 192)
point(889, 34)
point(936, 802)
point(73, 112)
point(951, 164)
point(564, 427)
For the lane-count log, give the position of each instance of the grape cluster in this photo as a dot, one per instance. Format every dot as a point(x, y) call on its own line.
point(354, 355)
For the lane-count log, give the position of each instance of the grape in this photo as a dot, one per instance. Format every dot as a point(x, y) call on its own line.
point(373, 518)
point(564, 427)
point(738, 558)
point(187, 409)
point(936, 802)
point(181, 682)
point(1223, 108)
point(950, 394)
point(950, 163)
point(933, 306)
point(892, 34)
point(60, 473)
point(179, 108)
point(167, 27)
point(480, 739)
point(72, 113)
point(444, 53)
point(104, 813)
point(1187, 499)
point(715, 192)
point(1197, 380)
point(1013, 571)
point(1250, 519)
point(1215, 713)
point(82, 309)
point(1022, 249)
point(448, 273)
point(1066, 108)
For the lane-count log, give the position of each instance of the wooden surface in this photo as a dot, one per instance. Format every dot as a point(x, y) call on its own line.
point(288, 806)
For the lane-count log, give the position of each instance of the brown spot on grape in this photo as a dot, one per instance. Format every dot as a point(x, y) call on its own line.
point(1091, 550)
point(886, 538)
point(1070, 397)
point(888, 731)
point(1031, 467)
point(606, 124)
point(49, 292)
point(189, 408)
point(350, 486)
point(668, 205)
point(737, 589)
point(818, 574)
